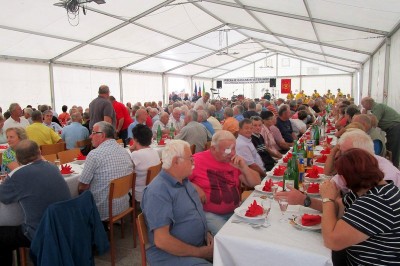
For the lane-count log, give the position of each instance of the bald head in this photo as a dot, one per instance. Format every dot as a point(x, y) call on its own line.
point(364, 120)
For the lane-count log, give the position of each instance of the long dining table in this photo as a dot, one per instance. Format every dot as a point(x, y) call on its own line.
point(276, 242)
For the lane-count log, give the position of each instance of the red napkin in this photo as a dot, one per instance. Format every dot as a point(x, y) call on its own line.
point(327, 150)
point(66, 169)
point(162, 142)
point(287, 157)
point(329, 140)
point(310, 219)
point(314, 171)
point(81, 157)
point(313, 188)
point(254, 210)
point(330, 129)
point(322, 159)
point(3, 147)
point(280, 170)
point(307, 133)
point(268, 185)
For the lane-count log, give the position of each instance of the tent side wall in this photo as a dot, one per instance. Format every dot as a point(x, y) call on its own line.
point(394, 72)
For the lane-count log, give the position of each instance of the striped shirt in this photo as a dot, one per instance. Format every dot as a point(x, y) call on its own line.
point(376, 214)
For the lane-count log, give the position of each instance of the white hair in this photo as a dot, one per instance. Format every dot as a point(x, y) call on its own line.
point(221, 135)
point(357, 139)
point(175, 148)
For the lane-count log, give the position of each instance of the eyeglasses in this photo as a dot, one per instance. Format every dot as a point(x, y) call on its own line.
point(96, 132)
point(186, 158)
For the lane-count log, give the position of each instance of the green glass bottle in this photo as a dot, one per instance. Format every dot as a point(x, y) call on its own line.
point(303, 150)
point(159, 134)
point(295, 171)
point(172, 131)
point(316, 135)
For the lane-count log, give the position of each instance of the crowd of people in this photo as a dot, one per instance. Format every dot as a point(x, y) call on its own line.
point(236, 143)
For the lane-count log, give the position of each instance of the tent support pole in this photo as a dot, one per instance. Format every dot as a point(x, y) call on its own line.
point(386, 73)
point(121, 89)
point(51, 75)
point(371, 62)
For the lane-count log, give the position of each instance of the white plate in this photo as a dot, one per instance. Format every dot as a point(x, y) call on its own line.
point(241, 212)
point(319, 164)
point(280, 177)
point(259, 188)
point(297, 221)
point(314, 179)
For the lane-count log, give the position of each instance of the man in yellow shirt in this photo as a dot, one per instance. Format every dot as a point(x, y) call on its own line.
point(39, 133)
point(328, 94)
point(290, 96)
point(300, 95)
point(339, 93)
point(315, 95)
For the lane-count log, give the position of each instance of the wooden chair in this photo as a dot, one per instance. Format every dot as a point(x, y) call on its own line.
point(193, 148)
point(119, 188)
point(207, 145)
point(50, 157)
point(22, 256)
point(152, 172)
point(86, 144)
point(52, 148)
point(68, 155)
point(143, 238)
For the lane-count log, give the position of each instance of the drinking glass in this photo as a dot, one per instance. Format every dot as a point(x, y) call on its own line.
point(266, 204)
point(289, 183)
point(283, 205)
point(57, 162)
point(274, 189)
point(306, 184)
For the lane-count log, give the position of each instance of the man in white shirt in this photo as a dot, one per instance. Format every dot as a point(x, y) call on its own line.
point(176, 119)
point(203, 102)
point(163, 123)
point(16, 119)
point(48, 116)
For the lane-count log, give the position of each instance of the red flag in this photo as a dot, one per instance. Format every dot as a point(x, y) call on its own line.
point(286, 85)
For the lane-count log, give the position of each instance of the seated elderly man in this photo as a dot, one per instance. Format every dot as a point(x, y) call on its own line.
point(377, 135)
point(39, 133)
point(107, 162)
point(140, 118)
point(193, 132)
point(246, 149)
point(163, 123)
point(238, 111)
point(259, 143)
point(75, 131)
point(47, 121)
point(176, 120)
point(217, 177)
point(16, 118)
point(177, 227)
point(34, 186)
point(212, 119)
point(230, 123)
point(202, 119)
point(284, 125)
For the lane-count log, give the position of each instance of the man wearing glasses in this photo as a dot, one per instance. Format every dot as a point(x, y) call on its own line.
point(107, 162)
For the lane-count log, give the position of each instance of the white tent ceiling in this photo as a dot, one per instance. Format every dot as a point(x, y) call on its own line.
point(189, 37)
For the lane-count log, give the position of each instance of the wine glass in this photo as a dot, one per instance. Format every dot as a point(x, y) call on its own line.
point(274, 189)
point(306, 184)
point(283, 205)
point(266, 204)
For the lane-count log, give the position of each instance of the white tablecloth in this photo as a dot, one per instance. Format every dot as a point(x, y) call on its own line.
point(12, 214)
point(281, 244)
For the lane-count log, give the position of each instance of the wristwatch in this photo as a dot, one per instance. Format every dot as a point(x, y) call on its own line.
point(307, 201)
point(324, 200)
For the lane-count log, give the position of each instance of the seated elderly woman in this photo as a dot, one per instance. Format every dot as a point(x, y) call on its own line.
point(369, 227)
point(14, 136)
point(142, 156)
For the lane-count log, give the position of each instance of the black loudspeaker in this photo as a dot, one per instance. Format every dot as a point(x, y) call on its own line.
point(219, 84)
point(272, 83)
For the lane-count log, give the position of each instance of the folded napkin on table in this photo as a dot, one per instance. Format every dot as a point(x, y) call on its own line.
point(280, 170)
point(3, 147)
point(314, 171)
point(81, 157)
point(162, 142)
point(287, 157)
point(313, 188)
point(327, 150)
point(329, 140)
point(66, 169)
point(268, 185)
point(322, 159)
point(310, 219)
point(330, 129)
point(254, 210)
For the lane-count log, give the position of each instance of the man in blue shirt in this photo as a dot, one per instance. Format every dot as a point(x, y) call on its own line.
point(75, 131)
point(284, 125)
point(140, 118)
point(238, 112)
point(177, 227)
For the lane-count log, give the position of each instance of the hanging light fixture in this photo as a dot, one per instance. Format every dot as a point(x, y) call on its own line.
point(221, 37)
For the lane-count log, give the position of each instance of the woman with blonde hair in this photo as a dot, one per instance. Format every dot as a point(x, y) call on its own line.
point(14, 136)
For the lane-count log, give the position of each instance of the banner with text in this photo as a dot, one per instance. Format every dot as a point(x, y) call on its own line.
point(246, 80)
point(286, 85)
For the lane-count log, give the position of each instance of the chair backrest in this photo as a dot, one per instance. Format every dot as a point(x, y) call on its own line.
point(52, 148)
point(50, 157)
point(86, 144)
point(152, 172)
point(143, 238)
point(193, 148)
point(68, 155)
point(120, 187)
